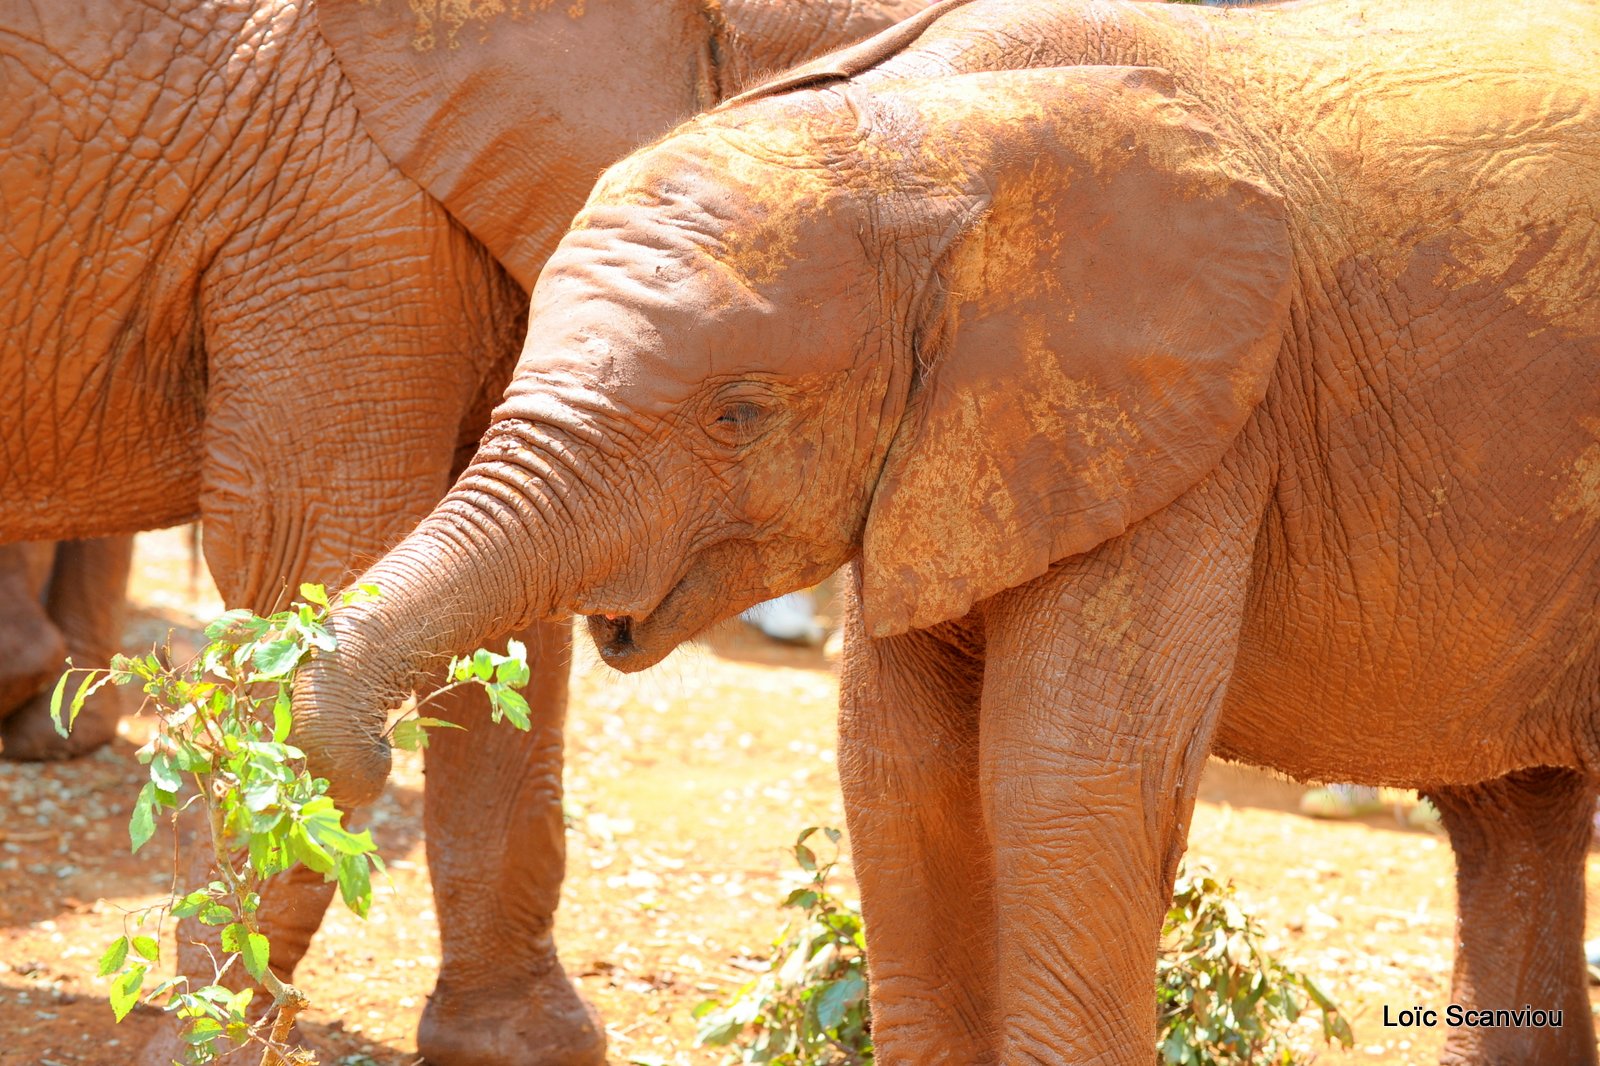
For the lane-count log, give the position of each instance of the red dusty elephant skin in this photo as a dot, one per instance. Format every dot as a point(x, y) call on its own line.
point(1179, 382)
point(267, 265)
point(58, 600)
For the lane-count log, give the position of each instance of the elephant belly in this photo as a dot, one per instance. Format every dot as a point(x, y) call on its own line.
point(1425, 602)
point(1444, 681)
point(97, 435)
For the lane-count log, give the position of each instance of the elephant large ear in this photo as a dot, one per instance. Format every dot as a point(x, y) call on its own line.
point(1095, 333)
point(468, 100)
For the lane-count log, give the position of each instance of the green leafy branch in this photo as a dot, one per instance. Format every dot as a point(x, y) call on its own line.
point(810, 1007)
point(1222, 1000)
point(223, 720)
point(1221, 997)
point(500, 676)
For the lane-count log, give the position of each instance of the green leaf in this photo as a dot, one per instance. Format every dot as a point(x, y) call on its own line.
point(201, 1031)
point(410, 734)
point(360, 593)
point(240, 1002)
point(233, 936)
point(121, 669)
point(214, 913)
point(265, 856)
point(142, 825)
point(93, 681)
point(355, 883)
point(253, 953)
point(308, 851)
point(191, 905)
point(235, 627)
point(125, 990)
point(515, 708)
point(512, 668)
point(314, 594)
point(318, 636)
point(276, 658)
point(147, 947)
point(114, 957)
point(260, 795)
point(163, 774)
point(322, 820)
point(836, 998)
point(252, 948)
point(62, 727)
point(190, 759)
point(281, 718)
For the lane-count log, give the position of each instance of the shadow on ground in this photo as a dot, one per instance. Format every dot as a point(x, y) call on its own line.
point(45, 1026)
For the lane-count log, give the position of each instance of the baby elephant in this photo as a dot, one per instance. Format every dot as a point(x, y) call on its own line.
point(1180, 382)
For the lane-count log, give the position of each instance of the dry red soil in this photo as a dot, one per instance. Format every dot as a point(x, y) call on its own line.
point(684, 784)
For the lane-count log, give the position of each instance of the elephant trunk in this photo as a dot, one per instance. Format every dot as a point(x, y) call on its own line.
point(482, 564)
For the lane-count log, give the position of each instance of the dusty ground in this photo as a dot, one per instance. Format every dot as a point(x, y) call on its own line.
point(684, 785)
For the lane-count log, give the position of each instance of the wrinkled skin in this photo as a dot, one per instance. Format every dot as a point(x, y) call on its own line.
point(31, 647)
point(1179, 382)
point(268, 267)
point(59, 600)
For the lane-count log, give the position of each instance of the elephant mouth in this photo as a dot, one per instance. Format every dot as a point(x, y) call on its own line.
point(633, 642)
point(636, 642)
point(612, 635)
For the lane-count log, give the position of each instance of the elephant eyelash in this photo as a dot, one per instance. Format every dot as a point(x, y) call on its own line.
point(738, 423)
point(740, 415)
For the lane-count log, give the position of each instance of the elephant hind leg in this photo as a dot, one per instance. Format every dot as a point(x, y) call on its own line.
point(31, 647)
point(86, 603)
point(1520, 842)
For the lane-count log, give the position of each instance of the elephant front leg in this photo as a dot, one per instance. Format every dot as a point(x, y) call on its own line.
point(908, 757)
point(1103, 684)
point(497, 854)
point(86, 601)
point(1520, 843)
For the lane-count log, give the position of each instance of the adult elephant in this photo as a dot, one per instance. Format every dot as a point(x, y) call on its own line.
point(267, 265)
point(1179, 381)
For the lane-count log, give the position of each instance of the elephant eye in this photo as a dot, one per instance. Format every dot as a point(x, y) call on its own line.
point(739, 415)
point(738, 422)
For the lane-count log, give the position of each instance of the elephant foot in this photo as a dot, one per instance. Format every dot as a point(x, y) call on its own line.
point(30, 736)
point(28, 666)
point(543, 1024)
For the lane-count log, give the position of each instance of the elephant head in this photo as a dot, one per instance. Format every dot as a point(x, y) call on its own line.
point(954, 329)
